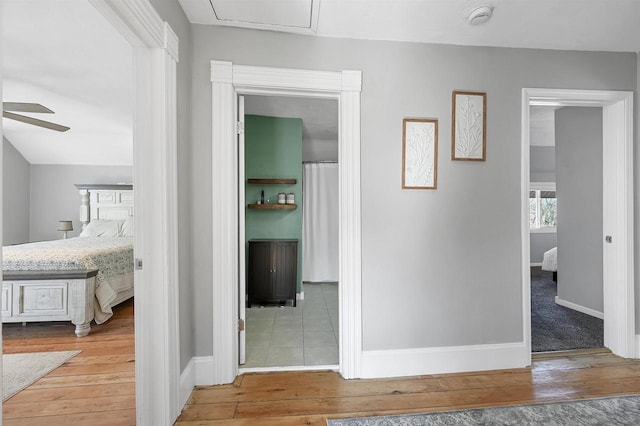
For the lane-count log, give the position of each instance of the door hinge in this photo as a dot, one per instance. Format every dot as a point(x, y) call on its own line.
point(239, 127)
point(240, 324)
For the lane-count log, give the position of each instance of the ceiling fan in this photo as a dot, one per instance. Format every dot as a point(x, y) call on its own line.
point(7, 107)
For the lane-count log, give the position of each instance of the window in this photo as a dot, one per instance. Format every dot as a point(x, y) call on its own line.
point(543, 207)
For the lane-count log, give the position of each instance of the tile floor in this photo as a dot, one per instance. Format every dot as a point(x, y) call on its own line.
point(302, 336)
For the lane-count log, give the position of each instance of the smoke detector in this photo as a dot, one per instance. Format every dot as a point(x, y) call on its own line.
point(480, 15)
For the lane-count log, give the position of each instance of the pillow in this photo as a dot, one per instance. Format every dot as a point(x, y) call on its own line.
point(102, 228)
point(127, 227)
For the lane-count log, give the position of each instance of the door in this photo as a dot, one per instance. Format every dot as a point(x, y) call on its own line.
point(242, 284)
point(285, 272)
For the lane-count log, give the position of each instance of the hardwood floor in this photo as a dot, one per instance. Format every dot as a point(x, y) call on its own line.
point(96, 387)
point(309, 398)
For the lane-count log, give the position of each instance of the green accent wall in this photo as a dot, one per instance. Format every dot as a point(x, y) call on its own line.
point(273, 149)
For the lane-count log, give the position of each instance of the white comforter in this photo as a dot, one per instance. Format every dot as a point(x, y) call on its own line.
point(111, 256)
point(550, 260)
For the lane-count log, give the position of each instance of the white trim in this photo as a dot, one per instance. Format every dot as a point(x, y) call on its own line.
point(332, 367)
point(453, 359)
point(187, 382)
point(535, 264)
point(229, 81)
point(579, 308)
point(155, 182)
point(618, 261)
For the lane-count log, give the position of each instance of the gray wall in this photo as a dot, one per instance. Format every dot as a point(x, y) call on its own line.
point(541, 242)
point(171, 12)
point(543, 163)
point(316, 149)
point(15, 192)
point(54, 196)
point(428, 257)
point(579, 189)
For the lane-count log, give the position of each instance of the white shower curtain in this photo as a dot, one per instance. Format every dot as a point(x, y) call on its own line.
point(320, 222)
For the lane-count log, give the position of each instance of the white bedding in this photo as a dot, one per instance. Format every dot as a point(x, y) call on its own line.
point(550, 260)
point(111, 256)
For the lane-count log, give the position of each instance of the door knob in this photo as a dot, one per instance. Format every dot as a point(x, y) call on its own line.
point(608, 239)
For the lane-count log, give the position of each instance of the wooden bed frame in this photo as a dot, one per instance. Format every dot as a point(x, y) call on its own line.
point(30, 296)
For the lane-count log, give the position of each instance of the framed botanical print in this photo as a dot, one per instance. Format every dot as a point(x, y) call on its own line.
point(469, 126)
point(419, 153)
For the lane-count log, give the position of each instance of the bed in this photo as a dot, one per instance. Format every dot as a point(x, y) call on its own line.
point(550, 262)
point(77, 279)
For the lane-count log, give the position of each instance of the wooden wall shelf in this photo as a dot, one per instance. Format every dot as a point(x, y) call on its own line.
point(273, 206)
point(272, 181)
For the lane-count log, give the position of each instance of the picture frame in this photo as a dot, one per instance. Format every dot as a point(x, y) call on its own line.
point(419, 153)
point(469, 126)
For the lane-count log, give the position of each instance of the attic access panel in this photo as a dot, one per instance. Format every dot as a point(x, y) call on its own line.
point(284, 13)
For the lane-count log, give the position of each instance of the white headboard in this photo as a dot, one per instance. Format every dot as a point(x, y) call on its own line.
point(105, 201)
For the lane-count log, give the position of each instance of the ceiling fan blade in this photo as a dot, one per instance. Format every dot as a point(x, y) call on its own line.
point(35, 121)
point(25, 107)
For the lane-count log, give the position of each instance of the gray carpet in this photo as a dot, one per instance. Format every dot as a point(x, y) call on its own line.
point(554, 327)
point(604, 411)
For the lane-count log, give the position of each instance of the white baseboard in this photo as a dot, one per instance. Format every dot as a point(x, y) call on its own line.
point(300, 295)
point(637, 347)
point(455, 359)
point(198, 372)
point(579, 308)
point(535, 263)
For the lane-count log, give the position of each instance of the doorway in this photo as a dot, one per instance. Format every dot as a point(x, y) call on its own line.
point(618, 281)
point(228, 81)
point(279, 136)
point(566, 222)
point(157, 338)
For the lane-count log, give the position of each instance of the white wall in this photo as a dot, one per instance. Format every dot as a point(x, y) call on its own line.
point(15, 193)
point(54, 197)
point(429, 258)
point(579, 190)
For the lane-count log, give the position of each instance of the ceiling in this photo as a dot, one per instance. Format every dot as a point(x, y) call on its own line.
point(64, 55)
point(319, 116)
point(609, 25)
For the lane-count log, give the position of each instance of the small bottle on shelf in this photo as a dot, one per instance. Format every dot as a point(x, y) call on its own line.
point(262, 197)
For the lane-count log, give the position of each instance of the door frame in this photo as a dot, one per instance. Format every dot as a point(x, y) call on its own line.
point(228, 81)
point(155, 53)
point(157, 332)
point(618, 257)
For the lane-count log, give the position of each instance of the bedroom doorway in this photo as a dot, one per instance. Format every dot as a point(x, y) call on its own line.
point(617, 171)
point(282, 136)
point(157, 337)
point(566, 217)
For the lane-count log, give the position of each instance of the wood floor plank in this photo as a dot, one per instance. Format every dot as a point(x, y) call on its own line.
point(111, 418)
point(96, 387)
point(73, 393)
point(65, 406)
point(309, 398)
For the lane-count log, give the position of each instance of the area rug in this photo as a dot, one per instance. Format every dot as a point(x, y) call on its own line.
point(21, 370)
point(603, 411)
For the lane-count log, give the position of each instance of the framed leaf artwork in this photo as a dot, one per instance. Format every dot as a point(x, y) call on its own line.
point(419, 153)
point(469, 126)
